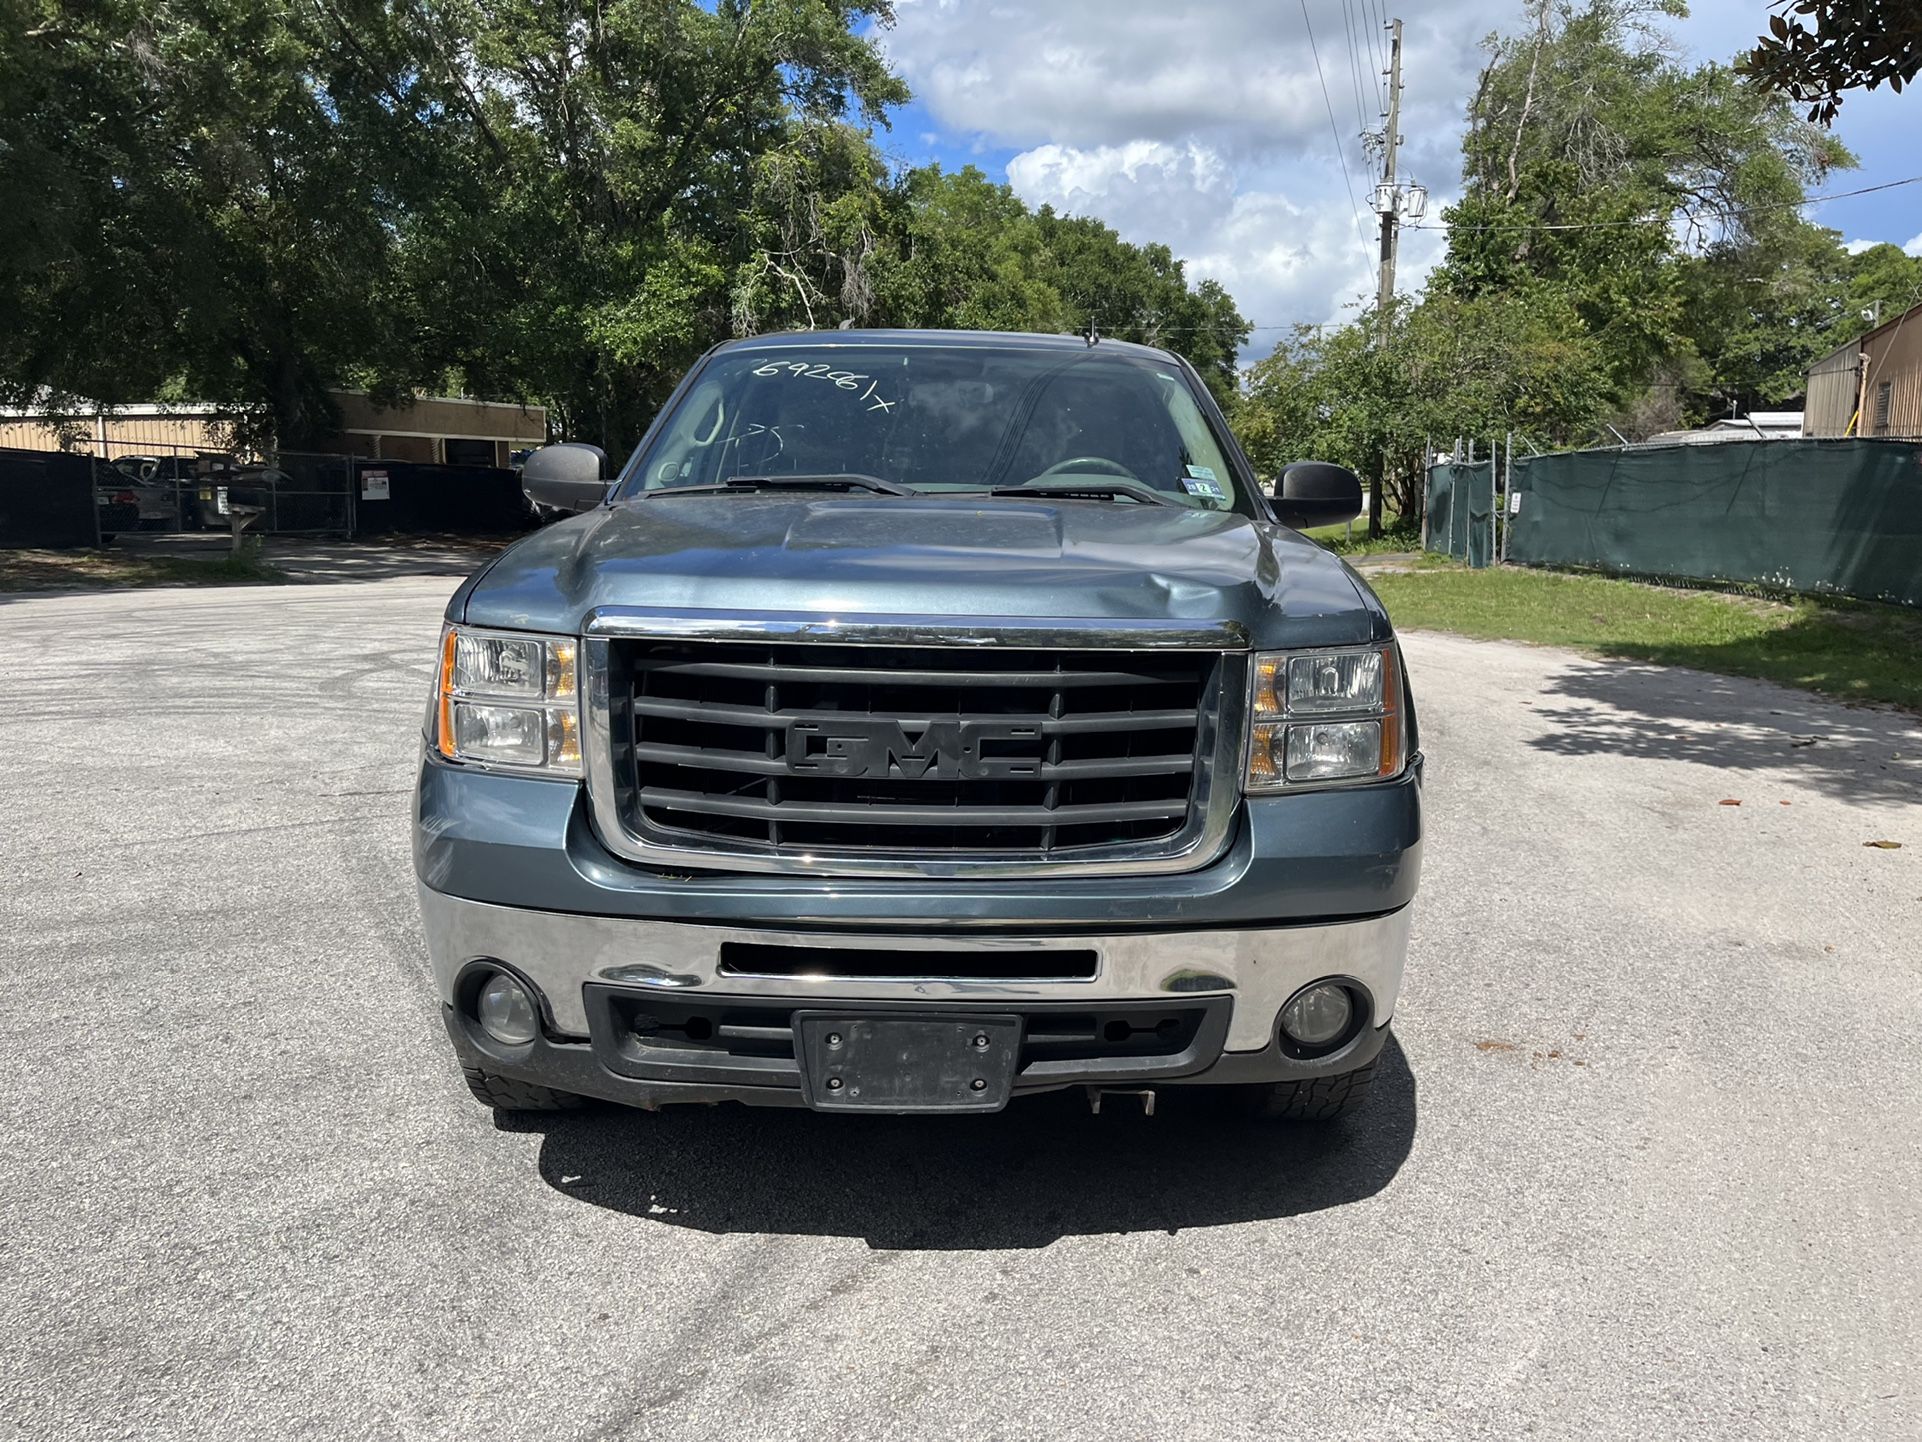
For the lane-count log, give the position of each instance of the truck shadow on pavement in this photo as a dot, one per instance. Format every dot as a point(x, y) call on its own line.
point(1044, 1169)
point(1858, 753)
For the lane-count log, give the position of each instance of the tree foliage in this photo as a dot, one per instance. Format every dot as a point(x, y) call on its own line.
point(1629, 250)
point(1818, 49)
point(559, 201)
point(1660, 200)
point(1376, 397)
point(204, 191)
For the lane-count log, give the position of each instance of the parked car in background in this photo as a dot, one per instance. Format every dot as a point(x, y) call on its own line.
point(158, 504)
point(116, 500)
point(158, 483)
point(171, 470)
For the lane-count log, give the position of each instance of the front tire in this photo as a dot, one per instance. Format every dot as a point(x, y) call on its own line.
point(504, 1094)
point(1319, 1099)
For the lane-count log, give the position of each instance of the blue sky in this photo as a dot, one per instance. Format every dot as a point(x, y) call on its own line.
point(1203, 125)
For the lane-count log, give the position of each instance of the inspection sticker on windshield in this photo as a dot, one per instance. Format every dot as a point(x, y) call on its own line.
point(1200, 481)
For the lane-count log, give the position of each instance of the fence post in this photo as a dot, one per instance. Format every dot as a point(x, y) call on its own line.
point(1494, 501)
point(1494, 467)
point(1460, 507)
point(1427, 450)
point(1508, 492)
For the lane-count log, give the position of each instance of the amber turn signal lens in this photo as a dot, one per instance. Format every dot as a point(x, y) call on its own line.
point(449, 646)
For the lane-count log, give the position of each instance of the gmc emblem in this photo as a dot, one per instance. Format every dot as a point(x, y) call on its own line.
point(941, 750)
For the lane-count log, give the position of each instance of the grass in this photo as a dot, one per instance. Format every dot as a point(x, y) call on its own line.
point(30, 570)
point(1853, 650)
point(1394, 537)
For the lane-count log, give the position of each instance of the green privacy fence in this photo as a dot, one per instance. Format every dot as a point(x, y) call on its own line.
point(1461, 509)
point(1841, 516)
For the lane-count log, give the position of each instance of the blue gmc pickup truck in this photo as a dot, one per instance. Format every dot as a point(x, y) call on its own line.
point(920, 720)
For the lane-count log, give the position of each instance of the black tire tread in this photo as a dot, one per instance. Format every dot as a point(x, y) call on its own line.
point(507, 1095)
point(1319, 1099)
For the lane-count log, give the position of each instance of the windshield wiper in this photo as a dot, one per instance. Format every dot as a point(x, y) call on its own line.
point(1090, 491)
point(827, 481)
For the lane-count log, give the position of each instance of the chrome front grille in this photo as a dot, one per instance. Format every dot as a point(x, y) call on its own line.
point(809, 748)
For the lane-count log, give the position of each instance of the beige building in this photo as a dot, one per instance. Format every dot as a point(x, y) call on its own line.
point(128, 430)
point(1872, 386)
point(435, 429)
point(440, 430)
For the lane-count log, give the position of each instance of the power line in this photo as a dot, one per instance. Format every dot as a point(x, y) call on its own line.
point(1376, 22)
point(1716, 214)
point(1333, 129)
point(1355, 67)
point(1263, 326)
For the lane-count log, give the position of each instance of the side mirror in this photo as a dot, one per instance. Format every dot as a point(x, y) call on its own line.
point(1317, 493)
point(566, 477)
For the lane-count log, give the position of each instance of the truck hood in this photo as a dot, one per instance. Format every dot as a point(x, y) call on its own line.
point(926, 556)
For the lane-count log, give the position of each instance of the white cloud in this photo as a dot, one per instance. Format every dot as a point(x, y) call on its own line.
point(1914, 247)
point(1856, 247)
point(1204, 126)
point(1283, 259)
point(1105, 72)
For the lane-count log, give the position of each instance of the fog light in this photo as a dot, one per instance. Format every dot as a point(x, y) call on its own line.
point(1318, 1015)
point(507, 1012)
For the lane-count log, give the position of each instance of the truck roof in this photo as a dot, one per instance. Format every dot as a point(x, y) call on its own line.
point(982, 339)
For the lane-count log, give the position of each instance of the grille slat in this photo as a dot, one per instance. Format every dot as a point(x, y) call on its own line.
point(858, 814)
point(711, 758)
point(812, 747)
point(722, 715)
point(766, 672)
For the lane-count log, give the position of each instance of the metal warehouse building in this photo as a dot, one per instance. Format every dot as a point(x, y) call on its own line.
point(1872, 386)
point(437, 430)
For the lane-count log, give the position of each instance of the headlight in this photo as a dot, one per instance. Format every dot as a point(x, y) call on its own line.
point(508, 699)
point(1324, 717)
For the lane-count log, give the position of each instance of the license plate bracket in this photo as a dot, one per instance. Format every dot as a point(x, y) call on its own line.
point(907, 1061)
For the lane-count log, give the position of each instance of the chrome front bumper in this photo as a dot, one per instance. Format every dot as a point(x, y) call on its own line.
point(561, 952)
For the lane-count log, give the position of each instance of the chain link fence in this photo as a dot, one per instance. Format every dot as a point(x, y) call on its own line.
point(1841, 517)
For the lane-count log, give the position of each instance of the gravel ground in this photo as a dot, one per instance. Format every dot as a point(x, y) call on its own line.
point(1646, 1158)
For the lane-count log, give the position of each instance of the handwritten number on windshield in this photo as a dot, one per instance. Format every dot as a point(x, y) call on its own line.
point(841, 380)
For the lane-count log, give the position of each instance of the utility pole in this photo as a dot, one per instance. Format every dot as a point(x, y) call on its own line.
point(1392, 203)
point(1385, 192)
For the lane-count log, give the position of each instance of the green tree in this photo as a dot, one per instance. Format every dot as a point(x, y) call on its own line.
point(1844, 45)
point(1374, 397)
point(1880, 284)
point(562, 201)
point(960, 250)
point(204, 192)
point(1659, 200)
point(640, 174)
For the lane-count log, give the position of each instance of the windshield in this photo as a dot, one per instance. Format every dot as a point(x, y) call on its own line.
point(945, 418)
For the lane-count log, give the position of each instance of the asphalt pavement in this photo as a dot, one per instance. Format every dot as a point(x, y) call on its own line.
point(1646, 1158)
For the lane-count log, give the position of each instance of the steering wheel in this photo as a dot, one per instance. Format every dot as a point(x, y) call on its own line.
point(1086, 465)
